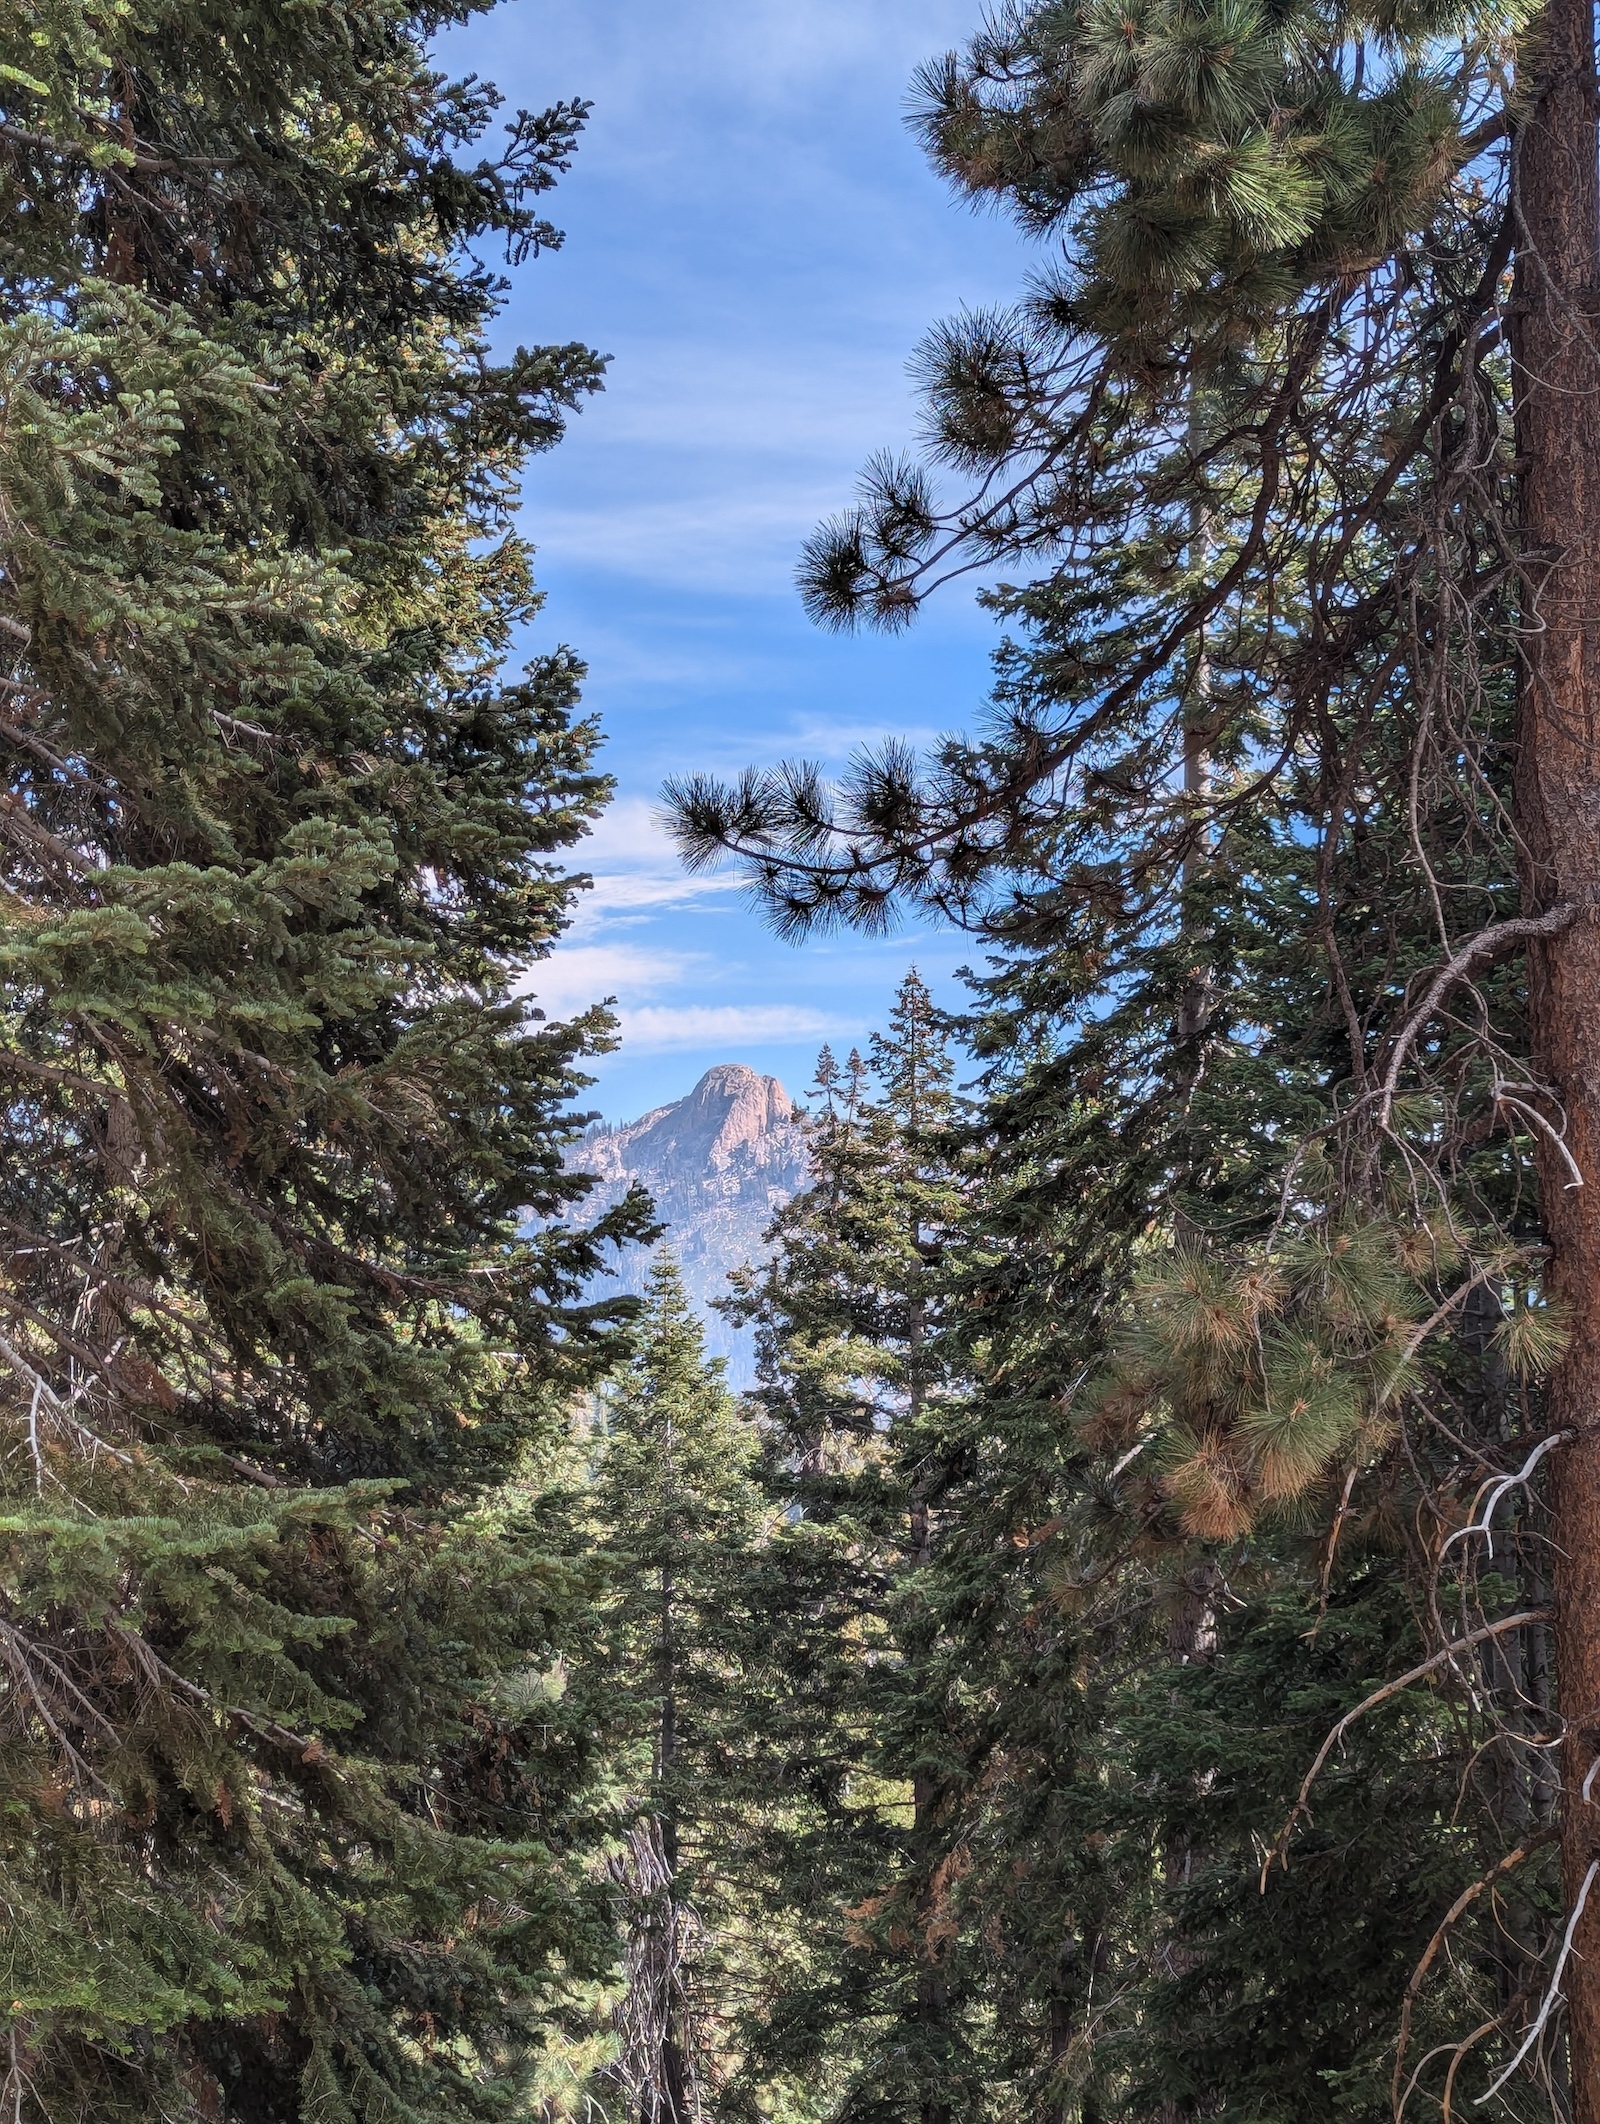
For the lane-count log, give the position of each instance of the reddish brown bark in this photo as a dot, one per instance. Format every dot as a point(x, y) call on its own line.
point(1558, 809)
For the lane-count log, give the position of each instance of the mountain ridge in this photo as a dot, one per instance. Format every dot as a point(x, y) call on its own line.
point(718, 1163)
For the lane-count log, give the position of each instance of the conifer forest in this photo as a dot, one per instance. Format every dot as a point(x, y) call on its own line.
point(1133, 1655)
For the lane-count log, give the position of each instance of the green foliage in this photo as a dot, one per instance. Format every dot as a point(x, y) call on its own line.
point(677, 1500)
point(1284, 2004)
point(1210, 162)
point(277, 848)
point(678, 1512)
point(1242, 1305)
point(1252, 1379)
point(847, 1693)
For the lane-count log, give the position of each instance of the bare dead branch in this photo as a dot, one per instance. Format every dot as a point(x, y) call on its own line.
point(1463, 1902)
point(1502, 1488)
point(1280, 1849)
point(1479, 951)
point(1552, 1994)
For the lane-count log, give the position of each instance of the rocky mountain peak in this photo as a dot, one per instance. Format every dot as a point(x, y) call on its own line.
point(741, 1107)
point(733, 1117)
point(718, 1162)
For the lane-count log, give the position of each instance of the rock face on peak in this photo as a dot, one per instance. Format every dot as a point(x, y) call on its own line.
point(718, 1162)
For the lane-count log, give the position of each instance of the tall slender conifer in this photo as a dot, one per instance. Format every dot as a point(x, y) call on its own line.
point(287, 1817)
point(679, 1512)
point(853, 1717)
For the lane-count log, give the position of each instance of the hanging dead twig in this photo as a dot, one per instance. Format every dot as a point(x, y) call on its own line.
point(1507, 1483)
point(1280, 1850)
point(1553, 1991)
point(1463, 1902)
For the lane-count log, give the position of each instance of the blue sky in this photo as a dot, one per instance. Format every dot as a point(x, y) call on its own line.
point(753, 236)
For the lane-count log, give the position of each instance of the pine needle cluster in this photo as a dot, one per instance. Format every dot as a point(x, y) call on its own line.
point(1252, 1381)
point(1245, 1299)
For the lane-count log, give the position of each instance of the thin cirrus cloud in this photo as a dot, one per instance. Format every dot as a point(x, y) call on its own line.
point(636, 871)
point(766, 223)
point(628, 895)
point(701, 542)
point(653, 70)
point(756, 239)
point(710, 482)
point(663, 1028)
point(578, 975)
point(796, 391)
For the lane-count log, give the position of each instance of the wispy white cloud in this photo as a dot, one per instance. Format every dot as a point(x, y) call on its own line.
point(576, 975)
point(770, 391)
point(832, 739)
point(635, 867)
point(740, 542)
point(628, 833)
point(685, 660)
point(624, 897)
point(755, 238)
point(706, 472)
point(658, 1028)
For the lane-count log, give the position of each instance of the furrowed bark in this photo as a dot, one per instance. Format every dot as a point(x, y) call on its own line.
point(1557, 196)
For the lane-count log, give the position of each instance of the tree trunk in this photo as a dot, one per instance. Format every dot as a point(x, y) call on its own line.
point(1557, 196)
point(675, 2096)
point(933, 1992)
point(1191, 1642)
point(672, 2090)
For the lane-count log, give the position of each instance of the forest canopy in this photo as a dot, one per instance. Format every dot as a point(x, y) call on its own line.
point(1276, 1274)
point(1133, 1654)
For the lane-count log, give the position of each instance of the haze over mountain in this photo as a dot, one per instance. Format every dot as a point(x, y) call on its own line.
point(718, 1162)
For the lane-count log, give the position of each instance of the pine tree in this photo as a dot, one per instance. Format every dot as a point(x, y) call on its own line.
point(1294, 509)
point(289, 1821)
point(1115, 1807)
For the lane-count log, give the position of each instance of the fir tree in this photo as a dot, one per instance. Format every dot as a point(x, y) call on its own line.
point(679, 1510)
point(285, 1836)
point(853, 1719)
